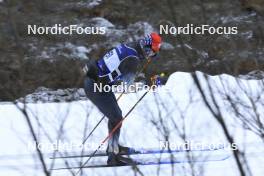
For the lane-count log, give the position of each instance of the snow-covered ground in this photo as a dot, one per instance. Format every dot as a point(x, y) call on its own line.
point(178, 104)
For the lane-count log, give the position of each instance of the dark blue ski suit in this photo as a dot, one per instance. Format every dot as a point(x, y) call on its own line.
point(119, 64)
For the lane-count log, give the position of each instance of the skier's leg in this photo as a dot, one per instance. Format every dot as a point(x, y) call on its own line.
point(113, 143)
point(107, 104)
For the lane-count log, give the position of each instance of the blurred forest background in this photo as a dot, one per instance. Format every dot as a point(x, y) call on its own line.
point(28, 62)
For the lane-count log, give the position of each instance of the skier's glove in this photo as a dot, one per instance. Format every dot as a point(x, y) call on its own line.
point(155, 80)
point(159, 80)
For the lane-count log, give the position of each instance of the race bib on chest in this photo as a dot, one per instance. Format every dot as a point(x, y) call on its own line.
point(111, 60)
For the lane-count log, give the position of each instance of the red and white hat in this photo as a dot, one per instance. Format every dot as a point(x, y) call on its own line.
point(153, 40)
point(156, 41)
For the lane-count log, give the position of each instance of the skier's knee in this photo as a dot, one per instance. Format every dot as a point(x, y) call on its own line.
point(117, 120)
point(114, 122)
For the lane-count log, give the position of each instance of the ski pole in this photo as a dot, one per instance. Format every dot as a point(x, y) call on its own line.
point(143, 68)
point(112, 132)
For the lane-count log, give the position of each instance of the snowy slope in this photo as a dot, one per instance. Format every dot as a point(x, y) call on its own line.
point(178, 104)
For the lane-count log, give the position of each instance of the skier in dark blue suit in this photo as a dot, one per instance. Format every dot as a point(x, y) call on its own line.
point(119, 64)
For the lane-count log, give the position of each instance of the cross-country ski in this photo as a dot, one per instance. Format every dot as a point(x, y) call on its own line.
point(142, 151)
point(151, 162)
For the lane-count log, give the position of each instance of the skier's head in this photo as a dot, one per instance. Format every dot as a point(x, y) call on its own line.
point(151, 44)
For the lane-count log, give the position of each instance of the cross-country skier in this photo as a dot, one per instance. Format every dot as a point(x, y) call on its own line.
point(119, 64)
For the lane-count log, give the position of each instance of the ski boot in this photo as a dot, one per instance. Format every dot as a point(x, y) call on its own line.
point(125, 150)
point(118, 160)
point(115, 159)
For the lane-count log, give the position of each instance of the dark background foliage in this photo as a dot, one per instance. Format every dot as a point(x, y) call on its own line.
point(24, 67)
